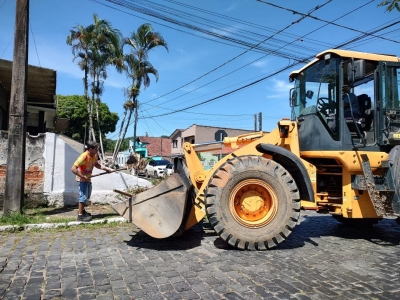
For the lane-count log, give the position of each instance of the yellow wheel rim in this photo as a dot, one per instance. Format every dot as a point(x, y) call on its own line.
point(253, 203)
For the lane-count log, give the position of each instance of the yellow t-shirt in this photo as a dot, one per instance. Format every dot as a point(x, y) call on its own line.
point(85, 163)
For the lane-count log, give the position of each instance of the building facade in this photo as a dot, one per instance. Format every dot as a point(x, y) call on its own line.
point(198, 134)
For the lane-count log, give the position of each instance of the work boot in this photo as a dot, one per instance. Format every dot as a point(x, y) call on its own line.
point(83, 218)
point(85, 213)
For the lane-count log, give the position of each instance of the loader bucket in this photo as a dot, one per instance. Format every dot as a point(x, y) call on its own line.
point(158, 211)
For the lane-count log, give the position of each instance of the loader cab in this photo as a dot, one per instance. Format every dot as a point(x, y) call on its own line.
point(321, 88)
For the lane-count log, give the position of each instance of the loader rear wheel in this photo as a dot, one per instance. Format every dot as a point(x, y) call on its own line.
point(252, 202)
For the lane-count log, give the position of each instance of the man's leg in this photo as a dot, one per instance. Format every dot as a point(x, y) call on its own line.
point(83, 192)
point(87, 203)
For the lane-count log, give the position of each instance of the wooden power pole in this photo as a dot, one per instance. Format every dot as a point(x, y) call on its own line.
point(15, 174)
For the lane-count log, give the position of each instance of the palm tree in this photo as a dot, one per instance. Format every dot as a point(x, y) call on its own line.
point(97, 45)
point(138, 68)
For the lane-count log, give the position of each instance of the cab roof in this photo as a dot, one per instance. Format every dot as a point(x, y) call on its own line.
point(349, 54)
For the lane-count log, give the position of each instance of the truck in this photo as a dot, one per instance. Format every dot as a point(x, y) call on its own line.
point(253, 196)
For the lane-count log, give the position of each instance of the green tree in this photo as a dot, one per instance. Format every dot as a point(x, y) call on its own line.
point(97, 46)
point(73, 107)
point(391, 4)
point(138, 70)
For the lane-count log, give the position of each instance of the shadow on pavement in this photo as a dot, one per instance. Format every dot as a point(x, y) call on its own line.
point(385, 233)
point(309, 230)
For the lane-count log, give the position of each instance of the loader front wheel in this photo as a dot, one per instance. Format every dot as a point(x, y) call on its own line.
point(252, 202)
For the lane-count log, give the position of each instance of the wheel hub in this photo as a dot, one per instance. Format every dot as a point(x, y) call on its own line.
point(253, 203)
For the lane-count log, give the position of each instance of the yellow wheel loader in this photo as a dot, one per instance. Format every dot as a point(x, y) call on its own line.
point(338, 154)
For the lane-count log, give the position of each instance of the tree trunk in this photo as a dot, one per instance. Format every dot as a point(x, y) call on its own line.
point(117, 144)
point(136, 107)
point(92, 136)
point(123, 136)
point(97, 102)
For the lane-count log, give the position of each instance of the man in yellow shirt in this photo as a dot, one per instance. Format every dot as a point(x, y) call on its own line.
point(83, 168)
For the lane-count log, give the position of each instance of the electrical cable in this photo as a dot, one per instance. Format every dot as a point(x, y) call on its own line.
point(252, 61)
point(328, 22)
point(277, 72)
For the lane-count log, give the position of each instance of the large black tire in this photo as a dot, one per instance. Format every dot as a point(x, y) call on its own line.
point(394, 159)
point(252, 203)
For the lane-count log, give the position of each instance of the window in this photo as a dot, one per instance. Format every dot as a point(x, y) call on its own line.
point(175, 144)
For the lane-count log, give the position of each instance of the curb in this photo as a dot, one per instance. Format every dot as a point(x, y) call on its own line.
point(28, 227)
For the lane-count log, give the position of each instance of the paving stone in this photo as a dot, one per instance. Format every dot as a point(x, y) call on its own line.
point(320, 260)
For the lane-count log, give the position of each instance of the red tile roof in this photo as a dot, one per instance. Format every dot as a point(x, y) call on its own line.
point(157, 146)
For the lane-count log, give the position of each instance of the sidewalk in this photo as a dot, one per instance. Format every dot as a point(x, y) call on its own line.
point(101, 214)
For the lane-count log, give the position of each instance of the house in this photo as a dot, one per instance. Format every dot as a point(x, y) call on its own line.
point(198, 134)
point(41, 99)
point(41, 117)
point(156, 146)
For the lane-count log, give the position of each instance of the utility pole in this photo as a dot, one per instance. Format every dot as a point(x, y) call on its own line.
point(15, 174)
point(136, 106)
point(259, 121)
point(255, 122)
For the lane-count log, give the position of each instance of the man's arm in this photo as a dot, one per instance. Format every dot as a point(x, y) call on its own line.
point(75, 170)
point(98, 166)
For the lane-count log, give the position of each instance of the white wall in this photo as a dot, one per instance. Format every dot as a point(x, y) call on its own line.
point(60, 186)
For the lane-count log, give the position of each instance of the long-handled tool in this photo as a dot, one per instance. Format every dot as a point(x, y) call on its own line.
point(113, 171)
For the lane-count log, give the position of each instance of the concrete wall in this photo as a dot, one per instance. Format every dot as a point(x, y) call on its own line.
point(60, 186)
point(48, 176)
point(178, 138)
point(34, 168)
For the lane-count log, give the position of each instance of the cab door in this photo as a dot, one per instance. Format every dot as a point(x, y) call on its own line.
point(387, 114)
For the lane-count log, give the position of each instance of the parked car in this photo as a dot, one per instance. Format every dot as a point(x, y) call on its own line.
point(156, 168)
point(169, 169)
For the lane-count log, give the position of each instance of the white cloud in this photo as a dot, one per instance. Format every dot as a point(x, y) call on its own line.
point(260, 63)
point(231, 7)
point(279, 89)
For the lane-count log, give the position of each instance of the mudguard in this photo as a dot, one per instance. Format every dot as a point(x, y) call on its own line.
point(294, 165)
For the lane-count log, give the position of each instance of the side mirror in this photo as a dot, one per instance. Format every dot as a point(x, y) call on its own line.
point(355, 70)
point(309, 94)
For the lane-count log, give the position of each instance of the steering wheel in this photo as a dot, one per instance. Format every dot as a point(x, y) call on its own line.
point(323, 105)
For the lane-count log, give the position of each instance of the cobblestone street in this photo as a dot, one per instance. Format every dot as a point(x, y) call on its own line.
point(321, 259)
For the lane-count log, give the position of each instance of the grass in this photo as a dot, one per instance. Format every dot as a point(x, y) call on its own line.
point(41, 215)
point(48, 215)
point(38, 217)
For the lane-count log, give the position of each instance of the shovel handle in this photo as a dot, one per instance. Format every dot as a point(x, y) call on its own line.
point(108, 172)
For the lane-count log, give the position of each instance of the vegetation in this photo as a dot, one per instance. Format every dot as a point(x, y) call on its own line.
point(35, 217)
point(41, 215)
point(391, 4)
point(138, 70)
point(74, 108)
point(96, 46)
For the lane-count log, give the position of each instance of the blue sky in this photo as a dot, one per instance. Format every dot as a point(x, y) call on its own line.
point(193, 54)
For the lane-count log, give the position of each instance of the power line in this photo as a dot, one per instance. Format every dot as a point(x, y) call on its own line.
point(244, 22)
point(158, 15)
point(279, 71)
point(228, 93)
point(328, 22)
point(237, 56)
point(3, 3)
point(258, 58)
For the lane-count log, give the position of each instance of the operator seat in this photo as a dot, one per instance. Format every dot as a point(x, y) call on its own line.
point(365, 121)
